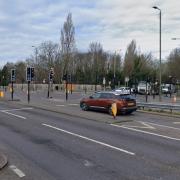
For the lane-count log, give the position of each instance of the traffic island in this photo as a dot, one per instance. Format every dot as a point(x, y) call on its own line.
point(3, 160)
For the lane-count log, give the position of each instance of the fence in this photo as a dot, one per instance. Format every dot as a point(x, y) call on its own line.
point(172, 107)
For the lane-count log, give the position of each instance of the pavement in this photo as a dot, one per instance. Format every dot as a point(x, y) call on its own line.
point(3, 160)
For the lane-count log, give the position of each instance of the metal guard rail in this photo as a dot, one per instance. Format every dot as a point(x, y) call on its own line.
point(169, 106)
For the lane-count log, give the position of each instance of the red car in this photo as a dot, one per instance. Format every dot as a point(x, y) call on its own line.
point(126, 104)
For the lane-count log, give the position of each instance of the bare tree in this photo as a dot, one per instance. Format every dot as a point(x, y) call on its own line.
point(130, 56)
point(98, 62)
point(68, 44)
point(174, 63)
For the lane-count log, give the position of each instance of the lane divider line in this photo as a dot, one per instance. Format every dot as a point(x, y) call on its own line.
point(73, 104)
point(89, 139)
point(17, 171)
point(145, 132)
point(61, 105)
point(22, 117)
point(16, 109)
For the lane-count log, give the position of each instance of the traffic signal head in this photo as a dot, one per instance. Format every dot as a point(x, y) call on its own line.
point(32, 73)
point(51, 74)
point(13, 75)
point(64, 77)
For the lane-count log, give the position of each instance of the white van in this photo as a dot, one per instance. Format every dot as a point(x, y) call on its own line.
point(142, 88)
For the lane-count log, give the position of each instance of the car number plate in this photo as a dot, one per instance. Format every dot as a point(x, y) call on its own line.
point(131, 104)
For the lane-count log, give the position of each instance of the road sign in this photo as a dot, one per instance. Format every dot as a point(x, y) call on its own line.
point(104, 80)
point(127, 79)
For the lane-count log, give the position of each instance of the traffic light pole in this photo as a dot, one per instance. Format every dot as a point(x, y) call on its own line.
point(66, 89)
point(12, 90)
point(48, 89)
point(28, 91)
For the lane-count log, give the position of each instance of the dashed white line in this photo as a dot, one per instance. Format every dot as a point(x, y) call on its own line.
point(89, 139)
point(7, 112)
point(145, 132)
point(22, 117)
point(73, 104)
point(17, 171)
point(61, 105)
point(16, 109)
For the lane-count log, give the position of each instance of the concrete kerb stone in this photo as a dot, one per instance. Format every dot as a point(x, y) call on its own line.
point(3, 160)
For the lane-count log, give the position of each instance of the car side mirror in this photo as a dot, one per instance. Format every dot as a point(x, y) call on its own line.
point(90, 97)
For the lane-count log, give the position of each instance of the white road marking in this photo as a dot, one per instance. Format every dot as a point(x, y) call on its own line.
point(73, 104)
point(162, 125)
point(7, 112)
point(61, 105)
point(22, 117)
point(176, 122)
point(15, 109)
point(17, 171)
point(145, 132)
point(88, 163)
point(146, 126)
point(89, 139)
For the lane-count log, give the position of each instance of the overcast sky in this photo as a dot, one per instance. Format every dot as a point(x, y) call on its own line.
point(113, 23)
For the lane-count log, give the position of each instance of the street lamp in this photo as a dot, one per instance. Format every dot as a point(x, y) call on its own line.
point(155, 7)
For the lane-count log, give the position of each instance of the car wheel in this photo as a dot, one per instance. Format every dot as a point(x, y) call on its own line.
point(84, 106)
point(110, 110)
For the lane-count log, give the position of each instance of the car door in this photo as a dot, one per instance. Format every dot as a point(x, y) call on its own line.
point(94, 100)
point(106, 100)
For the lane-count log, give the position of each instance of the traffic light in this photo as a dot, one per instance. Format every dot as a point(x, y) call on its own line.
point(69, 78)
point(30, 73)
point(13, 75)
point(51, 74)
point(65, 77)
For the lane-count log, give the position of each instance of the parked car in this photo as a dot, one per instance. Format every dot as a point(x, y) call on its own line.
point(168, 88)
point(126, 104)
point(123, 90)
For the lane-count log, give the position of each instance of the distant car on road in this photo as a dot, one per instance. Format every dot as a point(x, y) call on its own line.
point(168, 88)
point(123, 90)
point(126, 104)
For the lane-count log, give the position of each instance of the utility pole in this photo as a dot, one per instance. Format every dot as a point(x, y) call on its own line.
point(160, 93)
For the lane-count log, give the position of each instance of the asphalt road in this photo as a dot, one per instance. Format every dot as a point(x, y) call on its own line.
point(44, 145)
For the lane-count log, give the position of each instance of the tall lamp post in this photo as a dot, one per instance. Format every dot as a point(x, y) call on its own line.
point(160, 93)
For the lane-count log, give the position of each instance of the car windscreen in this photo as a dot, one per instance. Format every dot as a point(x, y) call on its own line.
point(126, 97)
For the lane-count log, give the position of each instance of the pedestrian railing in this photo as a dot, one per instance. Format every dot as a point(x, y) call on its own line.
point(170, 106)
